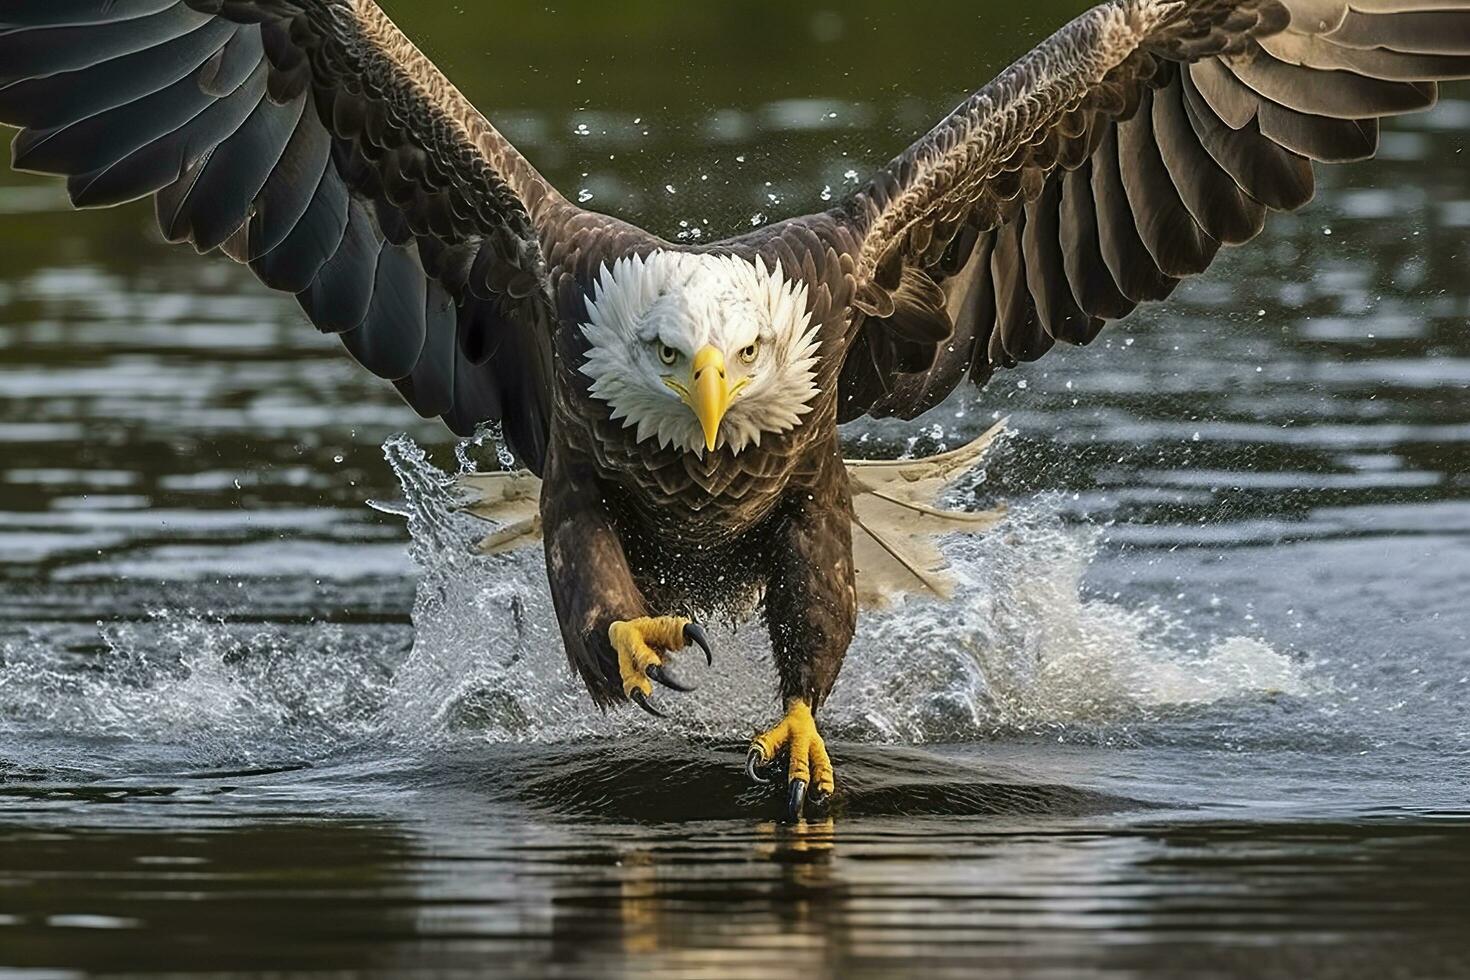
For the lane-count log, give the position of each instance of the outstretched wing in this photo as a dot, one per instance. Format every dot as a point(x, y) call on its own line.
point(310, 140)
point(1109, 163)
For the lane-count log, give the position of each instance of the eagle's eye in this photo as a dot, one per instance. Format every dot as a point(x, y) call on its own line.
point(747, 354)
point(667, 354)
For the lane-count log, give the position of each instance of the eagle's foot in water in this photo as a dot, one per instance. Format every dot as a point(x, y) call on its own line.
point(643, 647)
point(807, 761)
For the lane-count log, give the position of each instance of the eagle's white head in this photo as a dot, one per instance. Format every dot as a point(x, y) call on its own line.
point(701, 351)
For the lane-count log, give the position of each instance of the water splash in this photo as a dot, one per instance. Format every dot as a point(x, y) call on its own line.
point(1021, 647)
point(1024, 647)
point(206, 688)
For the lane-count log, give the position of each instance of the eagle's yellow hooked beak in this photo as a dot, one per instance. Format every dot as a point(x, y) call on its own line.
point(709, 392)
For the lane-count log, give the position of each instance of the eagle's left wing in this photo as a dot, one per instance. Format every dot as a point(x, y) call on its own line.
point(1110, 162)
point(313, 142)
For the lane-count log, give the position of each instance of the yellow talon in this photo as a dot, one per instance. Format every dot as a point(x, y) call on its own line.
point(643, 646)
point(808, 761)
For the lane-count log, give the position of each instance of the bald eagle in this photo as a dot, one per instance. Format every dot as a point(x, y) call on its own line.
point(680, 402)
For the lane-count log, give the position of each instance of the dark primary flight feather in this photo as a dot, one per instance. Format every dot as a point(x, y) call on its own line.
point(1110, 163)
point(310, 140)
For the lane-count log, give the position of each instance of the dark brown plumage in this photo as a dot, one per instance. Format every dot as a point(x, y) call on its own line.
point(311, 141)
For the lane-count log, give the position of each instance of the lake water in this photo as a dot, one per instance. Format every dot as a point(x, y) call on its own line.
point(1200, 706)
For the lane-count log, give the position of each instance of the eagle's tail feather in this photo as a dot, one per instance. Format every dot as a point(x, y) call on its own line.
point(896, 524)
point(508, 498)
point(897, 527)
point(962, 516)
point(510, 537)
point(884, 567)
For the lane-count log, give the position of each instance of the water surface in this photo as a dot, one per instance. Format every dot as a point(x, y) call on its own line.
point(1199, 707)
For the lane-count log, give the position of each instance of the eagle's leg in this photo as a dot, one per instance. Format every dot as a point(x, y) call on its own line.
point(811, 609)
point(609, 636)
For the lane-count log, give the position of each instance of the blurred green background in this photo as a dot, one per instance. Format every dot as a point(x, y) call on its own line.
point(746, 109)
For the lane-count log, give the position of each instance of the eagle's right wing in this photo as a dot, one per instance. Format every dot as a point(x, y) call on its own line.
point(1110, 162)
point(312, 141)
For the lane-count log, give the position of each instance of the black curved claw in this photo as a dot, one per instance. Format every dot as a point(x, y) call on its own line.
point(694, 633)
point(753, 762)
point(641, 699)
point(660, 676)
point(794, 800)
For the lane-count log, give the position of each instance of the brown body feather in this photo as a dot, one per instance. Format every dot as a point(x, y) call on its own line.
point(310, 140)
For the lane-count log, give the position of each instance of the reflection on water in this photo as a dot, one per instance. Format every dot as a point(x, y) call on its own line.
point(1201, 705)
point(238, 872)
